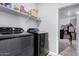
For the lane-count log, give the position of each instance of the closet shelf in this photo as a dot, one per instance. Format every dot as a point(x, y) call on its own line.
point(11, 11)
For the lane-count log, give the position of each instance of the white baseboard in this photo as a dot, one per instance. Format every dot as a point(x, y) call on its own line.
point(53, 54)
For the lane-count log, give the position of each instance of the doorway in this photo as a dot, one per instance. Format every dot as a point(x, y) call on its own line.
point(67, 15)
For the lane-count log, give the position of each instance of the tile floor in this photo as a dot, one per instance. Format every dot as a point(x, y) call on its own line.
point(66, 49)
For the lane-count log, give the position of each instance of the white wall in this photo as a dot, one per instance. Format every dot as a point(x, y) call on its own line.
point(7, 19)
point(77, 34)
point(49, 16)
